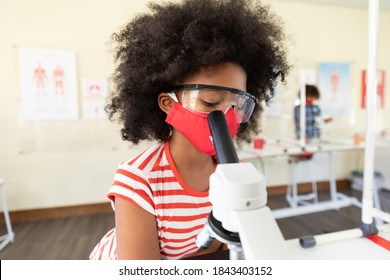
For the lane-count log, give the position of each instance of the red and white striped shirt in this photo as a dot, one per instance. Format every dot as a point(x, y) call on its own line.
point(152, 181)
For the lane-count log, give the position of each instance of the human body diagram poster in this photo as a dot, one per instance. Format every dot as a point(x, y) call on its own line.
point(48, 84)
point(95, 91)
point(335, 88)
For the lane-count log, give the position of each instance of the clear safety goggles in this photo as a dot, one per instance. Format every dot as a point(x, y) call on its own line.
point(207, 98)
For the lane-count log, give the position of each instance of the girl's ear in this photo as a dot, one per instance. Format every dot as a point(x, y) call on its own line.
point(165, 102)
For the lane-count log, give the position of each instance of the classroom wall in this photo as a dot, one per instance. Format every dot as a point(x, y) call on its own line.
point(62, 163)
point(327, 33)
point(330, 33)
point(58, 163)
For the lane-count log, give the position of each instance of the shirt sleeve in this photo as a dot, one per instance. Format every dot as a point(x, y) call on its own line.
point(131, 184)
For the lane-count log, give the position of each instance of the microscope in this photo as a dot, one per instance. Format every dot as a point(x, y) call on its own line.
point(240, 217)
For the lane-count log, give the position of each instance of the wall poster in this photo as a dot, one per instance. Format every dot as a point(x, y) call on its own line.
point(334, 83)
point(95, 91)
point(48, 83)
point(380, 93)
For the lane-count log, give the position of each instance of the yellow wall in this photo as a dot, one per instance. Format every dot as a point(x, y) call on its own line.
point(329, 33)
point(50, 164)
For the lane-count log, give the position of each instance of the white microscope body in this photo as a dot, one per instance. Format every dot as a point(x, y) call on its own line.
point(240, 217)
point(238, 195)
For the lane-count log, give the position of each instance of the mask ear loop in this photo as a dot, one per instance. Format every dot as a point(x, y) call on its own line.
point(173, 96)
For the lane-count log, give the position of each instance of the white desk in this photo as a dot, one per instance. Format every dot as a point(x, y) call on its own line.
point(278, 148)
point(344, 245)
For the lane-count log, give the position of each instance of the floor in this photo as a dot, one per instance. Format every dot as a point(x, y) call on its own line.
point(73, 238)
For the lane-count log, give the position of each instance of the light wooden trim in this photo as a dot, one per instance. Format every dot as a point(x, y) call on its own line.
point(98, 208)
point(57, 212)
point(306, 187)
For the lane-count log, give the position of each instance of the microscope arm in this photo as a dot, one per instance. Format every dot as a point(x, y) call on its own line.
point(239, 197)
point(238, 194)
point(259, 234)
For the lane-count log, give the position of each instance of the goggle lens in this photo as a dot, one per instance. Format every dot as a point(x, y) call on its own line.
point(204, 99)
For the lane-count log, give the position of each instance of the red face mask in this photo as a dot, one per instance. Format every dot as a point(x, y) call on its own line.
point(194, 126)
point(309, 101)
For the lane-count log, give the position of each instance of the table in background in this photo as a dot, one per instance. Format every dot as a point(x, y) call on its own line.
point(292, 148)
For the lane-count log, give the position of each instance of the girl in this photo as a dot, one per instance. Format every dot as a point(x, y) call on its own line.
point(174, 65)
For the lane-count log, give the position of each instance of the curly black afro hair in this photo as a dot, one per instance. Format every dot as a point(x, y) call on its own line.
point(174, 40)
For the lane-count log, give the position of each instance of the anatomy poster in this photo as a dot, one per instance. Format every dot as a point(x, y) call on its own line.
point(380, 90)
point(95, 91)
point(94, 110)
point(48, 84)
point(95, 87)
point(335, 89)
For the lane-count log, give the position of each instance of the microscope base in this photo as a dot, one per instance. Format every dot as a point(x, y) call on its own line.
point(260, 235)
